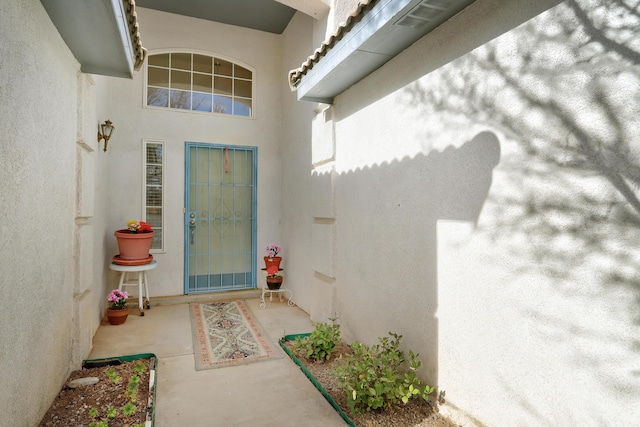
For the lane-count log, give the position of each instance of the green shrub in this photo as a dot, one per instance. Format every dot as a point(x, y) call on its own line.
point(132, 389)
point(373, 377)
point(322, 341)
point(112, 413)
point(113, 375)
point(128, 409)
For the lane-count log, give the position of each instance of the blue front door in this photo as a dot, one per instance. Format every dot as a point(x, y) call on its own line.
point(220, 217)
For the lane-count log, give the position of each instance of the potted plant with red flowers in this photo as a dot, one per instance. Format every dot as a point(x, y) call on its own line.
point(272, 259)
point(134, 243)
point(118, 312)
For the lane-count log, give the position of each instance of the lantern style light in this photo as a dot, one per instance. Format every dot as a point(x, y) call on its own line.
point(104, 132)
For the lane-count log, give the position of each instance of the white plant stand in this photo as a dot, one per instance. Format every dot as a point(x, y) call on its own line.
point(266, 290)
point(141, 280)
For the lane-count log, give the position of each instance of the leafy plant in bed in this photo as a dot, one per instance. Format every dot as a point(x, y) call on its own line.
point(367, 385)
point(373, 377)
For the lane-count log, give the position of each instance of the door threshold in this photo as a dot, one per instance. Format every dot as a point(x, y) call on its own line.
point(205, 297)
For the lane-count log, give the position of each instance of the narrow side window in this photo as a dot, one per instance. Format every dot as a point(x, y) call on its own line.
point(153, 188)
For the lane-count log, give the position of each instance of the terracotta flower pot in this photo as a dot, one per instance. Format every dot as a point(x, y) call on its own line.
point(275, 261)
point(117, 316)
point(134, 246)
point(274, 282)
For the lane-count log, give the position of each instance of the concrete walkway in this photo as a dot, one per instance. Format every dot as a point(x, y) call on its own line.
point(270, 393)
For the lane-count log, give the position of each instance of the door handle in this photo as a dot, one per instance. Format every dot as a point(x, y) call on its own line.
point(192, 229)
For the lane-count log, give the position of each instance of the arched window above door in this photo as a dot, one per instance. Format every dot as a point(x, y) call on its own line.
point(197, 82)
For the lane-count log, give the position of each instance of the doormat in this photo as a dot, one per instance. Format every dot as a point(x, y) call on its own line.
point(225, 333)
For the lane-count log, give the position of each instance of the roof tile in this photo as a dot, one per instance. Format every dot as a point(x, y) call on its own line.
point(296, 75)
point(139, 52)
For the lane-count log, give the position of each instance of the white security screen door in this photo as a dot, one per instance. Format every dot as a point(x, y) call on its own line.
point(220, 217)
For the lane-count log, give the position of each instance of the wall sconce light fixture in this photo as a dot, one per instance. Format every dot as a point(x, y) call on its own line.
point(104, 132)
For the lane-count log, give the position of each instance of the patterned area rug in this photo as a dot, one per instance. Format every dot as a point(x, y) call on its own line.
point(225, 333)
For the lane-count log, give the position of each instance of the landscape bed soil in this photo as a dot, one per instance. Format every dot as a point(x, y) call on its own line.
point(416, 413)
point(72, 405)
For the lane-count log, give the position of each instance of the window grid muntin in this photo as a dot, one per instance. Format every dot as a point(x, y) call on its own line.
point(239, 105)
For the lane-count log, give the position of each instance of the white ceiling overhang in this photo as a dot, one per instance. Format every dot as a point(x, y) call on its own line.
point(103, 35)
point(376, 32)
point(262, 15)
point(313, 8)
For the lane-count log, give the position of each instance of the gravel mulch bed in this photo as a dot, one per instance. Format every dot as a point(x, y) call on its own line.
point(416, 413)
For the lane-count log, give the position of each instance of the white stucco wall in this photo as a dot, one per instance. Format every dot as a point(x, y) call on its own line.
point(549, 276)
point(49, 312)
point(306, 200)
point(258, 50)
point(483, 204)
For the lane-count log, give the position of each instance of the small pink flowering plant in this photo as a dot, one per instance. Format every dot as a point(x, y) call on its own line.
point(118, 299)
point(273, 250)
point(138, 226)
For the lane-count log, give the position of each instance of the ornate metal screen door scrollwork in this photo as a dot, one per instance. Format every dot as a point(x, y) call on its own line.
point(220, 217)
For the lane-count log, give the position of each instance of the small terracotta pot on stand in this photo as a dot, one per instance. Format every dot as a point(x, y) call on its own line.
point(117, 316)
point(274, 282)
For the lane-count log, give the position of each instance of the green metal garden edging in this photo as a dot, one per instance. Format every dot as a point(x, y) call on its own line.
point(313, 379)
point(153, 380)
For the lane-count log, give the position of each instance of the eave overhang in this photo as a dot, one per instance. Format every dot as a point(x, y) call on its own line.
point(376, 32)
point(103, 35)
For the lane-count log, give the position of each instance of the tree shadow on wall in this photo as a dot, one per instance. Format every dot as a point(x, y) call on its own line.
point(570, 98)
point(568, 95)
point(465, 177)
